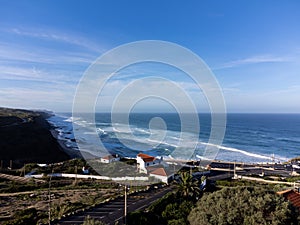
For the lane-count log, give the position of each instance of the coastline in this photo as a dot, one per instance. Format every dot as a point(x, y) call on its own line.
point(62, 126)
point(72, 153)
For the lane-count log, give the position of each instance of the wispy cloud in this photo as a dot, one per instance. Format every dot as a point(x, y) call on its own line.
point(58, 36)
point(13, 53)
point(255, 60)
point(9, 72)
point(39, 64)
point(26, 73)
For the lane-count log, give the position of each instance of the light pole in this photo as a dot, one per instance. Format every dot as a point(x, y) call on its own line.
point(234, 171)
point(49, 197)
point(125, 205)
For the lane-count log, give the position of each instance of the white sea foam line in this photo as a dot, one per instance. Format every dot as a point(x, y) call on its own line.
point(101, 123)
point(162, 142)
point(175, 138)
point(71, 119)
point(143, 139)
point(142, 130)
point(101, 131)
point(238, 150)
point(107, 129)
point(121, 131)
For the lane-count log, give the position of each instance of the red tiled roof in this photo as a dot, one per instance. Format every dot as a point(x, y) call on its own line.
point(108, 157)
point(146, 158)
point(159, 171)
point(292, 196)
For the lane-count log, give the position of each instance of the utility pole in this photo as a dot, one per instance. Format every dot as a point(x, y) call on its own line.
point(234, 169)
point(49, 198)
point(125, 205)
point(75, 175)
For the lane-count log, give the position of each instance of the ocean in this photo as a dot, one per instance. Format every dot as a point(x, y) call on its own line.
point(248, 137)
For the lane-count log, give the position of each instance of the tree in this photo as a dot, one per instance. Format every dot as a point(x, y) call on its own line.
point(242, 205)
point(188, 188)
point(176, 213)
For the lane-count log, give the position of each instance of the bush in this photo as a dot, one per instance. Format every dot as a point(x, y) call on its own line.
point(90, 221)
point(139, 218)
point(27, 216)
point(159, 206)
point(243, 205)
point(176, 213)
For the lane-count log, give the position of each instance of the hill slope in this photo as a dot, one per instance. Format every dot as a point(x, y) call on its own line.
point(25, 137)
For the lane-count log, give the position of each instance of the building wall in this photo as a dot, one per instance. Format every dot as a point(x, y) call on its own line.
point(143, 165)
point(110, 160)
point(104, 160)
point(163, 179)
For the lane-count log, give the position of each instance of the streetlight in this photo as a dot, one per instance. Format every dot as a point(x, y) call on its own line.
point(125, 205)
point(49, 197)
point(125, 202)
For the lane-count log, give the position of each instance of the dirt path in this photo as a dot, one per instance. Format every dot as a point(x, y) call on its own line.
point(19, 179)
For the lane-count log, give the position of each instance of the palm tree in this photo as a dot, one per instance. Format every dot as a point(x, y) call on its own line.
point(188, 187)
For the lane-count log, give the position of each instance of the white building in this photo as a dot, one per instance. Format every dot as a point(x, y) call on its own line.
point(161, 174)
point(144, 160)
point(110, 158)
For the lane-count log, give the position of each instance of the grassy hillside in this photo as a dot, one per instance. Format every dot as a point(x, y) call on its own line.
point(25, 137)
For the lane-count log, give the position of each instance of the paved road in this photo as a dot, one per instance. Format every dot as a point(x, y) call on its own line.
point(113, 211)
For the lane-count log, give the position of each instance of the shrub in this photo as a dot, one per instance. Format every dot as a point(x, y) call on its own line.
point(243, 205)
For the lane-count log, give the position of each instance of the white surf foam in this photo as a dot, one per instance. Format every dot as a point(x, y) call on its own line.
point(142, 131)
point(71, 119)
point(161, 142)
point(238, 150)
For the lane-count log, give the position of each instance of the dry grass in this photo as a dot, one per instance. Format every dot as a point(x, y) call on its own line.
point(62, 201)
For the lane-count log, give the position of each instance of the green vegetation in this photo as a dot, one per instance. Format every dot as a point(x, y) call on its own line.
point(243, 205)
point(293, 179)
point(116, 168)
point(173, 208)
point(15, 116)
point(188, 188)
point(21, 113)
point(232, 203)
point(90, 221)
point(27, 216)
point(238, 183)
point(58, 210)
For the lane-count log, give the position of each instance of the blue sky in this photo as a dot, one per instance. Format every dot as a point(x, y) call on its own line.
point(252, 47)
